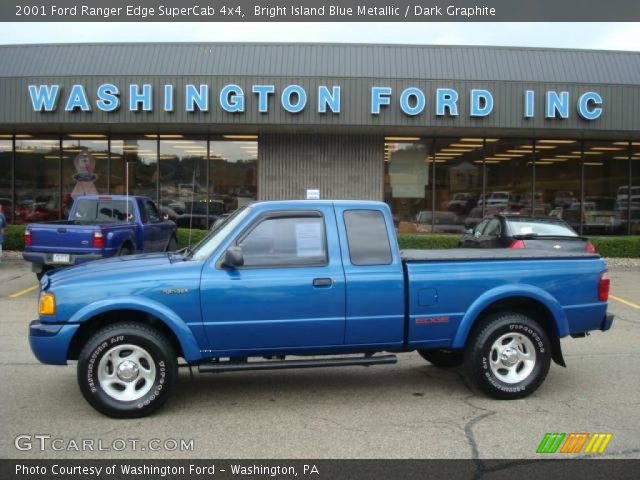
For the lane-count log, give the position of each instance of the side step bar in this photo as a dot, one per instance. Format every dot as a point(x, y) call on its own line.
point(284, 364)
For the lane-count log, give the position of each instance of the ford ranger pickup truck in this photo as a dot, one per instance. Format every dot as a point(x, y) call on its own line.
point(99, 226)
point(300, 284)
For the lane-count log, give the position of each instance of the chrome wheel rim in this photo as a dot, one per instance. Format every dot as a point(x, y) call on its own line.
point(512, 358)
point(126, 372)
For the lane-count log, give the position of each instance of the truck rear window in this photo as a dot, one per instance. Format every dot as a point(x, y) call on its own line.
point(540, 226)
point(103, 211)
point(367, 237)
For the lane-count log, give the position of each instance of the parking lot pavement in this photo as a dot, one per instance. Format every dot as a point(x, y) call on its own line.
point(408, 410)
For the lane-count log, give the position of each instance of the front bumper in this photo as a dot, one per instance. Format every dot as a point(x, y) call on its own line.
point(607, 322)
point(50, 342)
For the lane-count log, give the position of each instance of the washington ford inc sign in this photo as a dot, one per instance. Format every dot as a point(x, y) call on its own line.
point(295, 99)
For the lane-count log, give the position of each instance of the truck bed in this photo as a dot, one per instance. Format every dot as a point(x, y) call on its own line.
point(462, 254)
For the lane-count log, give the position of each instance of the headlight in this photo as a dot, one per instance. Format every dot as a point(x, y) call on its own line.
point(47, 304)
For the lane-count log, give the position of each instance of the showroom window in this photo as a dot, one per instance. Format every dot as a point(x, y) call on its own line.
point(558, 166)
point(134, 162)
point(458, 186)
point(85, 167)
point(183, 180)
point(232, 166)
point(634, 208)
point(606, 187)
point(509, 177)
point(6, 162)
point(37, 179)
point(407, 173)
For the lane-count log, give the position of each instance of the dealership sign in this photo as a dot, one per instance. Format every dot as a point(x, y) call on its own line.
point(295, 99)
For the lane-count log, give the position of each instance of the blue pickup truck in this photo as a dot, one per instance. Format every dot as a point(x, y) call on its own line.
point(99, 226)
point(320, 281)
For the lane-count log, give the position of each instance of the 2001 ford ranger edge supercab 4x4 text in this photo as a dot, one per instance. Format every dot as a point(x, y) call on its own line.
point(316, 280)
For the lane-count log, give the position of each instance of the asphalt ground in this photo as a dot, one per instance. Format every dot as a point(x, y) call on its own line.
point(407, 410)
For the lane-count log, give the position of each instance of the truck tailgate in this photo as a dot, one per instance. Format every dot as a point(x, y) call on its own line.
point(61, 238)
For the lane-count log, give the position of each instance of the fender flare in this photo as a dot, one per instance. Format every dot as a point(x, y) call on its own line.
point(509, 291)
point(184, 335)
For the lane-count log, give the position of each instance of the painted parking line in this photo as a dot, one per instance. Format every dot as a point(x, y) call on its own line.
point(626, 302)
point(22, 292)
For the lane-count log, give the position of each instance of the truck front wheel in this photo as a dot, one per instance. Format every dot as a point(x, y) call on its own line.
point(508, 356)
point(127, 370)
point(442, 357)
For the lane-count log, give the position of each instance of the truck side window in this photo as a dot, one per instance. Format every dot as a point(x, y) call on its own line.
point(367, 237)
point(480, 227)
point(286, 242)
point(154, 215)
point(493, 228)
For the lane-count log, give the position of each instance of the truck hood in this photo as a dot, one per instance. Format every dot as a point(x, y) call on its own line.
point(123, 267)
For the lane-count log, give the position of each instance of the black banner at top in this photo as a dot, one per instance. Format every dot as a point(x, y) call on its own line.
point(320, 11)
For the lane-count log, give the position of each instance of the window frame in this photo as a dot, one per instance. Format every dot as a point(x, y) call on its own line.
point(386, 229)
point(142, 208)
point(282, 214)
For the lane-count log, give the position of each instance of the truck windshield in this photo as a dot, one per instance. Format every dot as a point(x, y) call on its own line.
point(103, 210)
point(209, 243)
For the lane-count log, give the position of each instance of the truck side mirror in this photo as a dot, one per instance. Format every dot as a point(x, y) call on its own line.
point(233, 257)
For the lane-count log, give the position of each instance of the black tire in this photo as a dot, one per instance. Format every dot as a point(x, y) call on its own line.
point(172, 246)
point(125, 250)
point(442, 357)
point(479, 354)
point(121, 334)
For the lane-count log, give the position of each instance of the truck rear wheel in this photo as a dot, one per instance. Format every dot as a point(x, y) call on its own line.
point(127, 370)
point(508, 356)
point(442, 357)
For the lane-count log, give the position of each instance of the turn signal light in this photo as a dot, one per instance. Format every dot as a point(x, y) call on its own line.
point(590, 248)
point(517, 244)
point(98, 240)
point(603, 287)
point(27, 238)
point(47, 304)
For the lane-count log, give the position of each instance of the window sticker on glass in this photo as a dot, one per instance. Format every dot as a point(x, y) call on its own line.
point(526, 230)
point(309, 239)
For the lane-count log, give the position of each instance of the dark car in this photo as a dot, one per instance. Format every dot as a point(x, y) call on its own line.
point(518, 231)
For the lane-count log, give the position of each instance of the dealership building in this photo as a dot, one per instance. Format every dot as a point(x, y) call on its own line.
point(444, 134)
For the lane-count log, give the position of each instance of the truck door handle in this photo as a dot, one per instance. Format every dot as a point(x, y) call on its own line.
point(322, 282)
